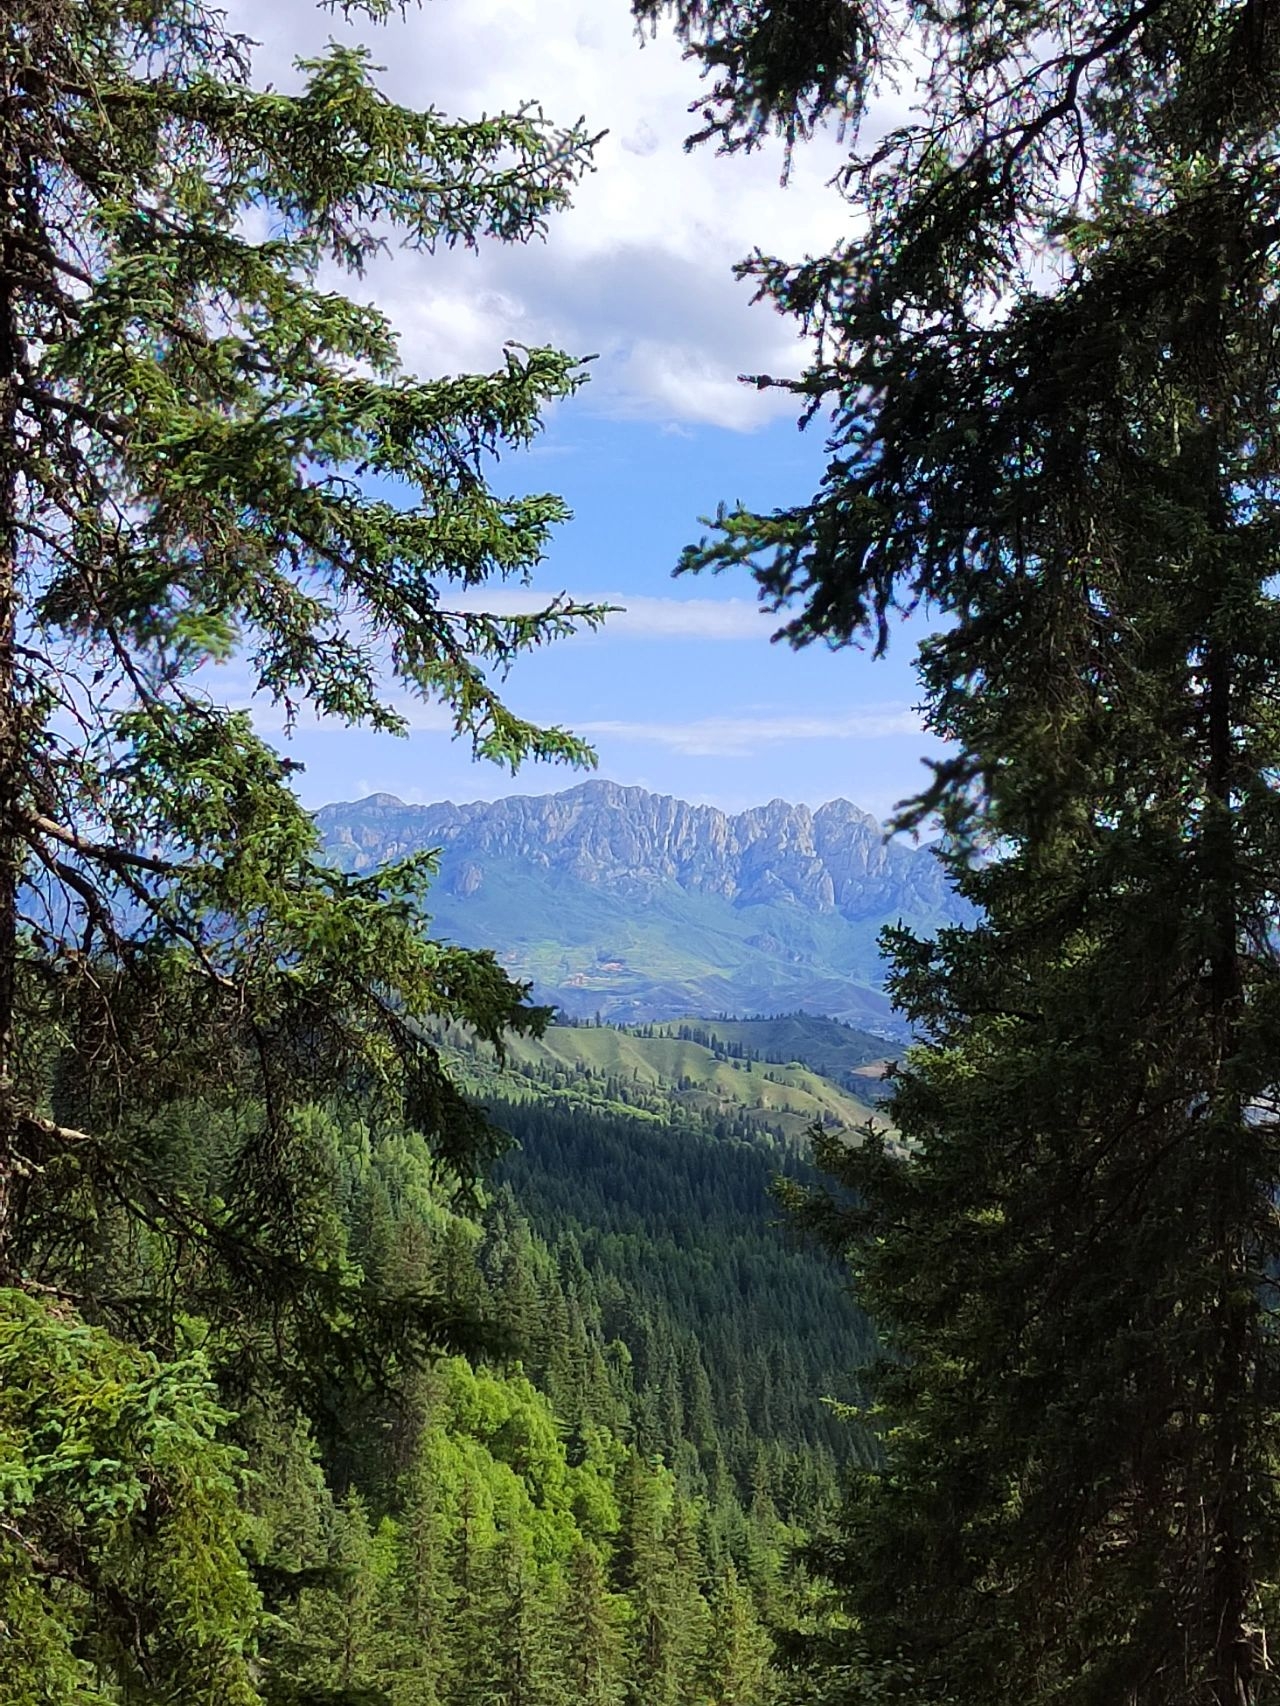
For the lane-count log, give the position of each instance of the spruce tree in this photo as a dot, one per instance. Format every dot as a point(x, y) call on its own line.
point(1046, 355)
point(209, 455)
point(422, 1579)
point(591, 1642)
point(734, 1667)
point(527, 1669)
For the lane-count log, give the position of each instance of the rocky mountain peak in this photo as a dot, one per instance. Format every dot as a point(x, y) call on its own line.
point(612, 900)
point(627, 841)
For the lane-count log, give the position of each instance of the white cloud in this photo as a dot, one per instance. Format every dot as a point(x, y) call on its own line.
point(721, 736)
point(638, 271)
point(690, 619)
point(639, 617)
point(742, 737)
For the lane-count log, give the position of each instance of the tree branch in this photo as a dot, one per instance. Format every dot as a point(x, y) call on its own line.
point(102, 853)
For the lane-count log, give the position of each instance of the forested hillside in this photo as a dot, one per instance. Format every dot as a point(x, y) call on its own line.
point(683, 1221)
point(610, 1507)
point(664, 1191)
point(685, 1073)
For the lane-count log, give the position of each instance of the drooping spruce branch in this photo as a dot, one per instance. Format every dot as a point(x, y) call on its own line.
point(208, 455)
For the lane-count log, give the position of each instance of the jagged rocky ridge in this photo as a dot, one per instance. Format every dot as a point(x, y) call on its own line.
point(640, 906)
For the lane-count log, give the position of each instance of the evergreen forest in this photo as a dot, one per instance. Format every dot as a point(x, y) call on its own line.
point(368, 1338)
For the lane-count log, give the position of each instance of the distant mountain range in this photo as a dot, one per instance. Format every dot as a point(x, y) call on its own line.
point(641, 908)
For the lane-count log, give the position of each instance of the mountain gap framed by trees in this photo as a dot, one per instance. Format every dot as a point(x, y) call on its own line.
point(295, 1410)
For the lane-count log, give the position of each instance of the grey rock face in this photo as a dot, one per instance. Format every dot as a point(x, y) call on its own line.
point(636, 906)
point(628, 842)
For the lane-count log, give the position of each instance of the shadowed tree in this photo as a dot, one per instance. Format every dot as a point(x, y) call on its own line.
point(1045, 360)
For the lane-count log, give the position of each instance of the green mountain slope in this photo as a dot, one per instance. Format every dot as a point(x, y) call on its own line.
point(591, 953)
point(663, 1078)
point(675, 1222)
point(607, 1513)
point(852, 1058)
point(654, 1156)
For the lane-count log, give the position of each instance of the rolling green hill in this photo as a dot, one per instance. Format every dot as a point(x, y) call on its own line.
point(666, 1078)
point(851, 1058)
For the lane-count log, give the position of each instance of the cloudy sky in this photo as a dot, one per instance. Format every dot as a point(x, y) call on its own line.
point(684, 692)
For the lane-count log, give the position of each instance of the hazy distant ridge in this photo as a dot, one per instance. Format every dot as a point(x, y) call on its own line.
point(642, 906)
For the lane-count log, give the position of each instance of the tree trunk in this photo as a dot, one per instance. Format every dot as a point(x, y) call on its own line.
point(1231, 1580)
point(11, 355)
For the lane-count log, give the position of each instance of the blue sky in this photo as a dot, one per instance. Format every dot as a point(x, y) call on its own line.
point(684, 693)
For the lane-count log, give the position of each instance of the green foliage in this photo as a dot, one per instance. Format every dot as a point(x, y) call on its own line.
point(489, 1541)
point(786, 66)
point(481, 1582)
point(736, 1660)
point(735, 1339)
point(591, 1631)
point(442, 1532)
point(207, 456)
point(121, 1530)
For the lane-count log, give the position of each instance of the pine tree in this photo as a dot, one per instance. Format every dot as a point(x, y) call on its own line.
point(658, 1565)
point(735, 1664)
point(181, 409)
point(423, 1583)
point(526, 1649)
point(689, 1617)
point(1047, 348)
point(343, 1622)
